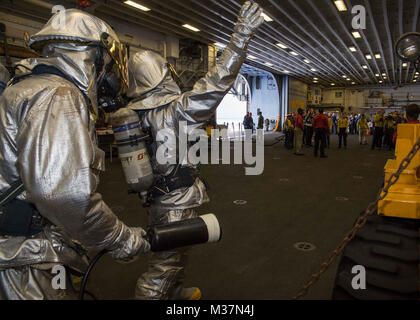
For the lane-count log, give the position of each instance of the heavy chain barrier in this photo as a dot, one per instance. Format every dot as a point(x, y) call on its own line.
point(360, 222)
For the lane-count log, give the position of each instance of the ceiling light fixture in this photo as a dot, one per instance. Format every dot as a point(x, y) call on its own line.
point(137, 5)
point(314, 70)
point(190, 27)
point(356, 34)
point(307, 61)
point(266, 17)
point(365, 67)
point(341, 6)
point(294, 53)
point(353, 49)
point(369, 57)
point(281, 45)
point(378, 56)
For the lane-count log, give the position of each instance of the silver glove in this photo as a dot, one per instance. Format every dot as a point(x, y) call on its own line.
point(129, 250)
point(249, 20)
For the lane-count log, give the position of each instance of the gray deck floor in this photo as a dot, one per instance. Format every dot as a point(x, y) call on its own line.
point(294, 200)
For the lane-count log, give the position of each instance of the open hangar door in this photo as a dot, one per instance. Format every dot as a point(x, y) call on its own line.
point(254, 90)
point(265, 95)
point(234, 106)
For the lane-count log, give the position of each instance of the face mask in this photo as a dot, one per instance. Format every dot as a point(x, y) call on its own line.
point(109, 84)
point(113, 80)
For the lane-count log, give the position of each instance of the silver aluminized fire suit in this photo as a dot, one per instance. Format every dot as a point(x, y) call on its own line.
point(48, 139)
point(160, 104)
point(4, 78)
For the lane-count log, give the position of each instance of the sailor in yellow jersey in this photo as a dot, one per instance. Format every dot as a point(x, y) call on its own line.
point(330, 125)
point(343, 129)
point(363, 127)
point(379, 130)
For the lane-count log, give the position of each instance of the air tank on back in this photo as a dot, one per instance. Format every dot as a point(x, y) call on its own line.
point(133, 153)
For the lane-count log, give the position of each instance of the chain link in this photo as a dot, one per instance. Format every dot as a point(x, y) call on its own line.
point(360, 222)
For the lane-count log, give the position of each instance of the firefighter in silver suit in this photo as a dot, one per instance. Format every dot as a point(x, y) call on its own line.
point(48, 142)
point(161, 105)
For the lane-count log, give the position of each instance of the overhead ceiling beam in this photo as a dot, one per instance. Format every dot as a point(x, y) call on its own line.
point(112, 10)
point(189, 13)
point(390, 42)
point(339, 38)
point(338, 72)
point(293, 44)
point(274, 38)
point(350, 36)
point(349, 5)
point(378, 40)
point(233, 13)
point(136, 19)
point(354, 72)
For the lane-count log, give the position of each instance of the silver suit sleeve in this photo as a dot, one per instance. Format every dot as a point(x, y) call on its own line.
point(56, 161)
point(200, 103)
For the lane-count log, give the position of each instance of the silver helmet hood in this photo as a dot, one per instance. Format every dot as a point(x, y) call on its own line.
point(69, 42)
point(150, 81)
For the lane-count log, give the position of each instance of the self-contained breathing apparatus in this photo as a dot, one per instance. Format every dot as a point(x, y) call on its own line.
point(135, 160)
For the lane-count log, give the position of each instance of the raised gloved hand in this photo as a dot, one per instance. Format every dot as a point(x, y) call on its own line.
point(249, 20)
point(135, 244)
